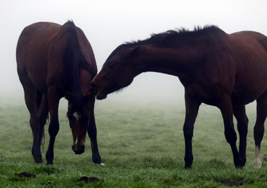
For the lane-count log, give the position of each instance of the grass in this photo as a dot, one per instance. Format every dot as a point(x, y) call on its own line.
point(141, 146)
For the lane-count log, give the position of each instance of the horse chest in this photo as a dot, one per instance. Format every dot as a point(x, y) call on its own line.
point(209, 94)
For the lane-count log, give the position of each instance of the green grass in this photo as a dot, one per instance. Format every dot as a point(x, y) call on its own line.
point(141, 146)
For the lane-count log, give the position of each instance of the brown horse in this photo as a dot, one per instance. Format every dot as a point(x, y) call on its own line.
point(55, 61)
point(219, 69)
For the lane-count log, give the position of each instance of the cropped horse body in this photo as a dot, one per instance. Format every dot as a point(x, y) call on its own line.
point(55, 61)
point(219, 69)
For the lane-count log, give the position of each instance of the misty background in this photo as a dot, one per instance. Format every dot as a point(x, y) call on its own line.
point(108, 24)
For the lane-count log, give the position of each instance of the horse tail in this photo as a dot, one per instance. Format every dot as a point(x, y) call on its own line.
point(39, 97)
point(73, 60)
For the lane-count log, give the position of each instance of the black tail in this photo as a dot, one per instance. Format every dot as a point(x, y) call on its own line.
point(39, 96)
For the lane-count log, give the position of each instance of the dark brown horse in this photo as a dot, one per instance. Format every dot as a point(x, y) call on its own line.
point(55, 61)
point(219, 69)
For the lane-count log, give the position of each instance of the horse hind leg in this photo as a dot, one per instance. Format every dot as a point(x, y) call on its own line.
point(53, 102)
point(230, 134)
point(259, 127)
point(31, 101)
point(242, 125)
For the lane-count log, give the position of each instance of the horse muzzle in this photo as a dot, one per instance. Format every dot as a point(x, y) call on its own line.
point(100, 95)
point(78, 151)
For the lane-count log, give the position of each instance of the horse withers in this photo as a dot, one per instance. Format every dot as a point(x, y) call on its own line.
point(55, 61)
point(216, 68)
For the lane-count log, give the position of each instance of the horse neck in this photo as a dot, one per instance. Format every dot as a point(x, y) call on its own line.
point(169, 60)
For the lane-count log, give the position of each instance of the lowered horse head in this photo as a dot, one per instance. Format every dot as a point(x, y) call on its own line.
point(79, 119)
point(118, 71)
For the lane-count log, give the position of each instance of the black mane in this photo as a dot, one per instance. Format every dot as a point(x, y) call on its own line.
point(161, 39)
point(172, 38)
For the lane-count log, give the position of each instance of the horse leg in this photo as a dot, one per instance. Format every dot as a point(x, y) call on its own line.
point(229, 131)
point(259, 127)
point(53, 102)
point(93, 134)
point(30, 100)
point(242, 125)
point(192, 106)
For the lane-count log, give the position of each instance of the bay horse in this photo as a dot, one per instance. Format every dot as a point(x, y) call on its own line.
point(224, 70)
point(55, 61)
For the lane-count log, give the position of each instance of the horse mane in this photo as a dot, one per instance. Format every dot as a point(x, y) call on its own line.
point(162, 39)
point(172, 38)
point(74, 60)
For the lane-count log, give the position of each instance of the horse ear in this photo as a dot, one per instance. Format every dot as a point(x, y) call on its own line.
point(133, 52)
point(68, 96)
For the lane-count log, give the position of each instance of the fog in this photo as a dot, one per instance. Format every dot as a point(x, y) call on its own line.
point(107, 24)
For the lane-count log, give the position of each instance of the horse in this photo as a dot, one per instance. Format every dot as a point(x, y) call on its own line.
point(219, 69)
point(55, 61)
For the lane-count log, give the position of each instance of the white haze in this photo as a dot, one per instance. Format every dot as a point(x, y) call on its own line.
point(107, 24)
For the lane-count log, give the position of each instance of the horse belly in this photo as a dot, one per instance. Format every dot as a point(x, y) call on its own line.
point(250, 85)
point(249, 93)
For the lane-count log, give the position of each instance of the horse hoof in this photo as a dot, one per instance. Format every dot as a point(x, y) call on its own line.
point(38, 161)
point(239, 167)
point(49, 163)
point(187, 165)
point(256, 163)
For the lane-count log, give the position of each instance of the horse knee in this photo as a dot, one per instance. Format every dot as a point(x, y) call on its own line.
point(230, 136)
point(188, 133)
point(53, 128)
point(92, 131)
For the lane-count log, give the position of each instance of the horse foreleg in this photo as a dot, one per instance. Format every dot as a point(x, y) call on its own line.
point(259, 127)
point(93, 138)
point(92, 133)
point(229, 131)
point(192, 107)
point(242, 125)
point(53, 101)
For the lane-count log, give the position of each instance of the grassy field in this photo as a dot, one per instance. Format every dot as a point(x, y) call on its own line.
point(141, 146)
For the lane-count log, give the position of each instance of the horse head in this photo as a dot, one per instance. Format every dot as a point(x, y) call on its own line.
point(79, 119)
point(117, 72)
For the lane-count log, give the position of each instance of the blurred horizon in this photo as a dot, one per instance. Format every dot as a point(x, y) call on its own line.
point(108, 24)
